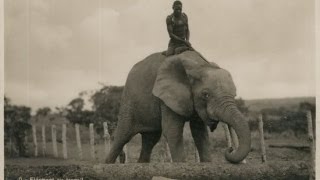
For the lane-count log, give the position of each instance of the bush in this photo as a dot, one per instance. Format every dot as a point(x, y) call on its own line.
point(294, 121)
point(16, 125)
point(106, 105)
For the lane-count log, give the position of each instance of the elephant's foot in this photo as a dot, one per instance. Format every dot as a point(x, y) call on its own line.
point(178, 159)
point(112, 157)
point(122, 157)
point(149, 140)
point(143, 160)
point(177, 153)
point(205, 159)
point(110, 160)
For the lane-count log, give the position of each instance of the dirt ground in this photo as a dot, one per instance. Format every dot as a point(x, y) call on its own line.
point(282, 163)
point(68, 170)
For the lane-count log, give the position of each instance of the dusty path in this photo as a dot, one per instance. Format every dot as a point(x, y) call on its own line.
point(87, 170)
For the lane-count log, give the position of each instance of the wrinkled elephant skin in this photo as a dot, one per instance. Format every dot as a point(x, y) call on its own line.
point(161, 94)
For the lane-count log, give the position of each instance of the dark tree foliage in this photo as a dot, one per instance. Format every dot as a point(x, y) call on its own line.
point(76, 114)
point(77, 104)
point(291, 120)
point(16, 125)
point(84, 117)
point(62, 111)
point(242, 106)
point(275, 111)
point(42, 112)
point(6, 101)
point(106, 104)
point(283, 119)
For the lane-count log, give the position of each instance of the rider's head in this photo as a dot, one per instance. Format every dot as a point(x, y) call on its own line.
point(177, 7)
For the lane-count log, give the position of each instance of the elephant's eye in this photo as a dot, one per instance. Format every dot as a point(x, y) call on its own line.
point(205, 94)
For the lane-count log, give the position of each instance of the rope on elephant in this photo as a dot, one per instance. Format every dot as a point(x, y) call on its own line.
point(192, 49)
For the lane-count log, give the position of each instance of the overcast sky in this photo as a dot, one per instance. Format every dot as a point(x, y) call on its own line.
point(55, 48)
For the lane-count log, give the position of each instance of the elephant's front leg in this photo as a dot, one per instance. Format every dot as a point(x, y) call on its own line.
point(200, 135)
point(172, 129)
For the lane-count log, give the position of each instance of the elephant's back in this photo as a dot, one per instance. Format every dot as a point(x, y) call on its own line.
point(143, 73)
point(138, 90)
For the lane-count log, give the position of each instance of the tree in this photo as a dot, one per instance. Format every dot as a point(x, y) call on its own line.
point(77, 104)
point(281, 111)
point(43, 112)
point(62, 111)
point(16, 124)
point(242, 106)
point(6, 101)
point(76, 114)
point(106, 105)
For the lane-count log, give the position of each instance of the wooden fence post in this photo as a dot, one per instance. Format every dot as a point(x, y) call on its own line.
point(64, 141)
point(311, 144)
point(168, 151)
point(35, 143)
point(262, 144)
point(78, 141)
point(106, 138)
point(92, 140)
point(54, 140)
point(44, 145)
point(126, 152)
point(196, 154)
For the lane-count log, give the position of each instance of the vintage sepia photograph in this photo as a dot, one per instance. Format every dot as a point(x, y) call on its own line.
point(159, 89)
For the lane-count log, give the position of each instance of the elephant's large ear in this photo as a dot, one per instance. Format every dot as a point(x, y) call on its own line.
point(172, 86)
point(174, 78)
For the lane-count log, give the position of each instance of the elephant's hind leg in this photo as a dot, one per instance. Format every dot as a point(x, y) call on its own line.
point(149, 140)
point(117, 146)
point(123, 134)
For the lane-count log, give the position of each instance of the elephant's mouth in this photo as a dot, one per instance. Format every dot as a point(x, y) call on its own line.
point(212, 123)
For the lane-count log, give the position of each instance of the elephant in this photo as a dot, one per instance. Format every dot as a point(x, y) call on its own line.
point(162, 93)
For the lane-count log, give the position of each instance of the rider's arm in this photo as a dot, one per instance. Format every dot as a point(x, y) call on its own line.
point(187, 29)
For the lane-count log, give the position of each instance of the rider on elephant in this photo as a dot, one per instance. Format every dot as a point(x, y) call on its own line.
point(178, 29)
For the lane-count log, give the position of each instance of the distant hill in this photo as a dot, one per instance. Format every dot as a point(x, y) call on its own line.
point(292, 103)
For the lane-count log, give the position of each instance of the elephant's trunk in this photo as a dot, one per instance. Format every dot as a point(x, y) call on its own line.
point(234, 118)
